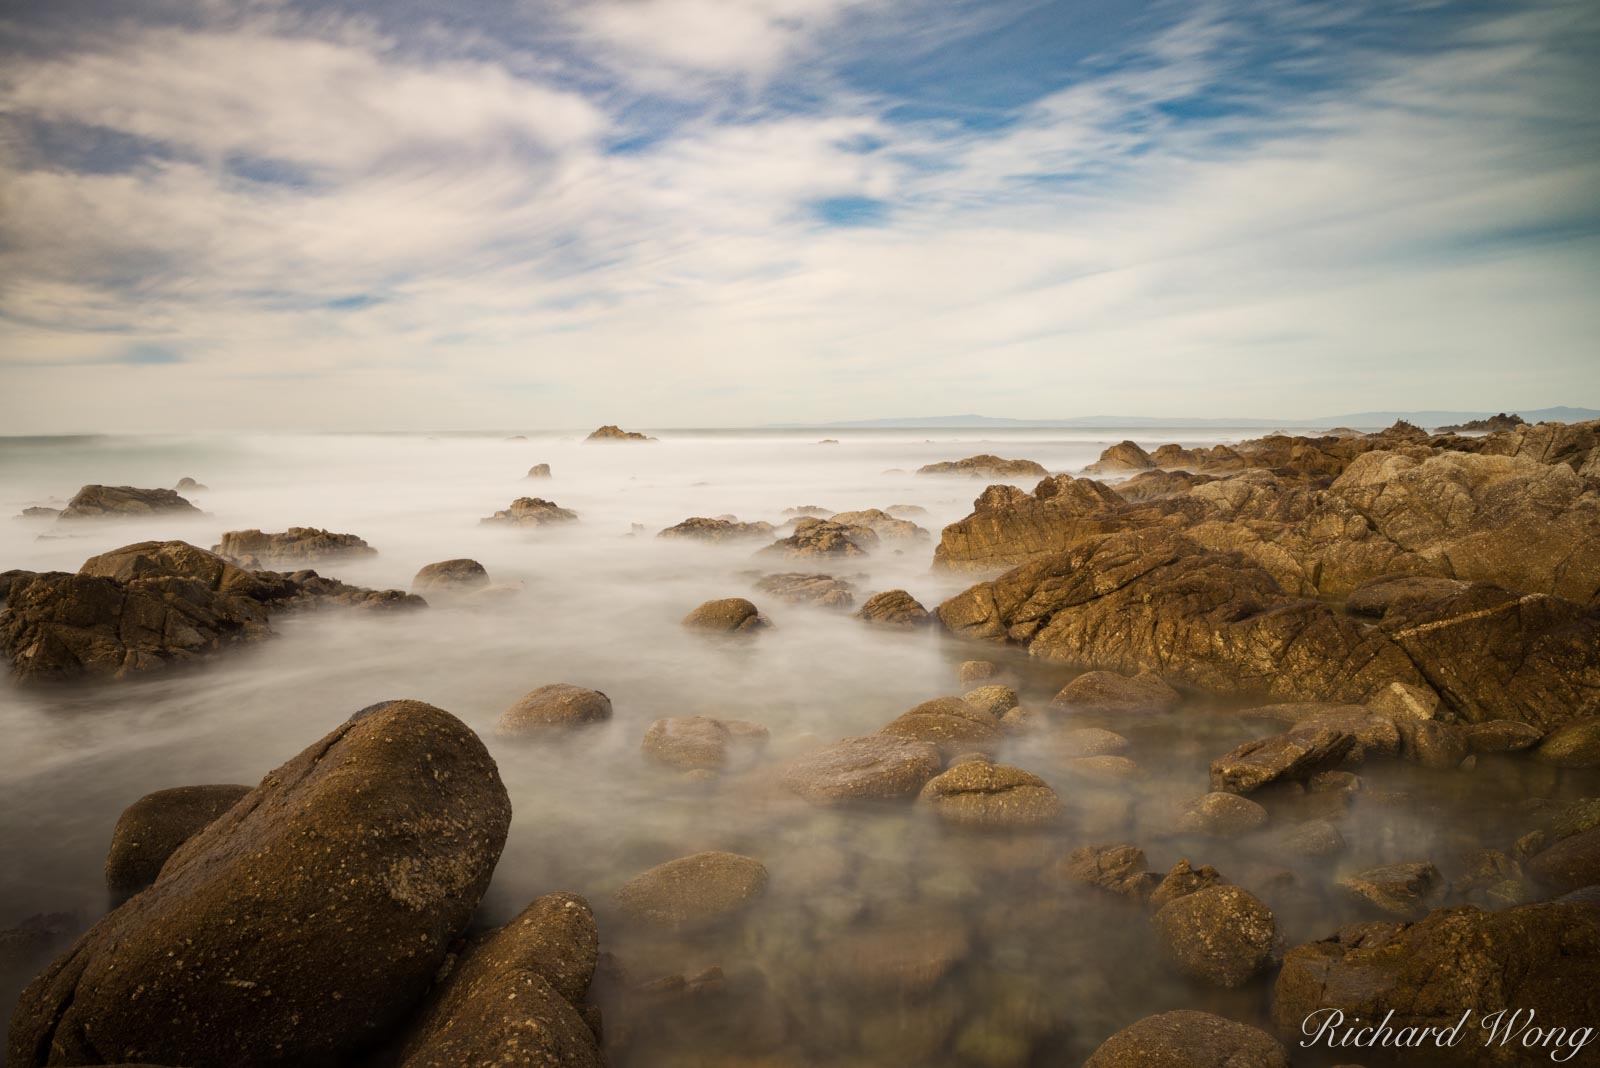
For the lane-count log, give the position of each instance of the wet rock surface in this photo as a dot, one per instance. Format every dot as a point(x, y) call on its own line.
point(800, 587)
point(556, 707)
point(1218, 934)
point(980, 794)
point(823, 538)
point(692, 891)
point(124, 502)
point(152, 828)
point(296, 547)
point(531, 512)
point(894, 608)
point(985, 466)
point(1186, 1038)
point(729, 615)
point(949, 723)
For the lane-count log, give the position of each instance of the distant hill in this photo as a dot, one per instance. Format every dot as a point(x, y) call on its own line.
point(1358, 420)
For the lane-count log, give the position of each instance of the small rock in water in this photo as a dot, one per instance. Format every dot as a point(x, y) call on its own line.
point(556, 707)
point(877, 767)
point(976, 793)
point(995, 700)
point(1289, 757)
point(1225, 815)
point(1086, 742)
point(1572, 745)
point(730, 615)
point(693, 743)
point(715, 531)
point(295, 547)
point(531, 512)
point(1220, 934)
point(1407, 890)
point(1108, 693)
point(1186, 1038)
point(539, 471)
point(894, 608)
point(1119, 869)
point(121, 502)
point(1182, 880)
point(450, 576)
point(693, 890)
point(821, 537)
point(972, 671)
point(798, 587)
point(152, 828)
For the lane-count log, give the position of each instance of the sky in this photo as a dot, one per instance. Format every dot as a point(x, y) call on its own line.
point(389, 214)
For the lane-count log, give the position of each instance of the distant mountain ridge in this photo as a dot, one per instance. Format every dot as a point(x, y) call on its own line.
point(1356, 420)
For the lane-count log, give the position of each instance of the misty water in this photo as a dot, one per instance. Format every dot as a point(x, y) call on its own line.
point(844, 959)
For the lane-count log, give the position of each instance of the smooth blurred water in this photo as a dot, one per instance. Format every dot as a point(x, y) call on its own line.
point(600, 604)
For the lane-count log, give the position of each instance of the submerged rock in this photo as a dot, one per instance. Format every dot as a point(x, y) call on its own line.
point(948, 722)
point(730, 615)
point(823, 537)
point(1288, 757)
point(39, 511)
point(985, 465)
point(972, 671)
point(979, 794)
point(1407, 890)
point(1225, 815)
point(798, 587)
point(1119, 869)
point(531, 512)
point(301, 926)
point(700, 742)
point(556, 707)
point(1220, 934)
point(1571, 863)
point(692, 891)
point(451, 576)
point(894, 608)
point(1186, 1038)
point(152, 828)
point(124, 502)
point(877, 767)
point(1108, 693)
point(296, 546)
point(516, 998)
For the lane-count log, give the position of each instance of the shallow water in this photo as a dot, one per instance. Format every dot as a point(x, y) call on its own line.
point(1037, 974)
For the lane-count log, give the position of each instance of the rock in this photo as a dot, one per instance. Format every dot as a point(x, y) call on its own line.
point(1123, 458)
point(811, 511)
point(969, 672)
point(995, 700)
point(302, 925)
point(557, 707)
point(531, 512)
point(611, 432)
point(1186, 1038)
point(822, 537)
point(124, 502)
point(1221, 935)
point(1432, 743)
point(906, 953)
point(297, 547)
point(717, 530)
point(1119, 768)
point(451, 576)
point(692, 891)
point(1288, 757)
point(894, 608)
point(1108, 693)
point(797, 587)
point(1376, 597)
point(1086, 742)
point(1402, 701)
point(517, 997)
point(881, 523)
point(907, 511)
point(693, 742)
point(187, 483)
point(38, 511)
point(15, 579)
point(730, 615)
point(1182, 880)
point(1571, 863)
point(539, 471)
point(152, 828)
point(980, 794)
point(877, 767)
point(1009, 526)
point(1501, 421)
point(1375, 734)
point(985, 465)
point(1118, 869)
point(1225, 815)
point(948, 722)
point(1493, 879)
point(1541, 958)
point(1155, 484)
point(1572, 745)
point(1501, 736)
point(1314, 838)
point(1407, 890)
point(1336, 782)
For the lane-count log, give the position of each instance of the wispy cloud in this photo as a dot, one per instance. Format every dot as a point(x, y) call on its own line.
point(1253, 207)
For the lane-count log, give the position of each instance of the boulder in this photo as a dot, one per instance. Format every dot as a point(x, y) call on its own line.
point(985, 465)
point(730, 615)
point(186, 483)
point(611, 432)
point(1118, 869)
point(1375, 733)
point(877, 767)
point(1571, 863)
point(1313, 838)
point(700, 742)
point(1575, 744)
point(823, 537)
point(1123, 458)
point(126, 502)
point(1376, 597)
point(979, 794)
point(947, 722)
point(881, 523)
point(1184, 879)
point(301, 926)
point(1221, 935)
point(1289, 757)
point(1086, 742)
point(539, 471)
point(1185, 1038)
point(716, 530)
point(894, 608)
point(1155, 484)
point(969, 672)
point(692, 891)
point(1544, 959)
point(451, 576)
point(1408, 890)
point(1501, 736)
point(1108, 693)
point(516, 998)
point(1009, 526)
point(994, 699)
point(152, 828)
point(39, 511)
point(531, 512)
point(296, 547)
point(798, 587)
point(1225, 815)
point(556, 707)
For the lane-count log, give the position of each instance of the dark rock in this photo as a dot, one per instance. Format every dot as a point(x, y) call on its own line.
point(122, 502)
point(302, 925)
point(1569, 864)
point(822, 537)
point(451, 576)
point(531, 512)
point(1184, 879)
point(556, 707)
point(1575, 744)
point(152, 828)
point(730, 615)
point(1501, 736)
point(1221, 935)
point(692, 891)
point(38, 511)
point(877, 767)
point(1108, 693)
point(1185, 1038)
point(894, 608)
point(1288, 757)
point(1376, 597)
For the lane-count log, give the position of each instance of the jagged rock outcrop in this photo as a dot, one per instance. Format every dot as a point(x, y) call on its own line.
point(699, 528)
point(976, 793)
point(296, 546)
point(881, 523)
point(1186, 1038)
point(985, 465)
point(825, 538)
point(531, 512)
point(1502, 421)
point(612, 432)
point(1123, 458)
point(124, 502)
point(303, 925)
point(1009, 527)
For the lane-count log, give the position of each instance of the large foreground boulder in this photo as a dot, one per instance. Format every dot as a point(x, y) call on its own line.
point(152, 828)
point(1543, 959)
point(1185, 1038)
point(516, 998)
point(301, 926)
point(296, 547)
point(125, 502)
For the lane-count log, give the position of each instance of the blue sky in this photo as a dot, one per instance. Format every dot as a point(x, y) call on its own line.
point(507, 213)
